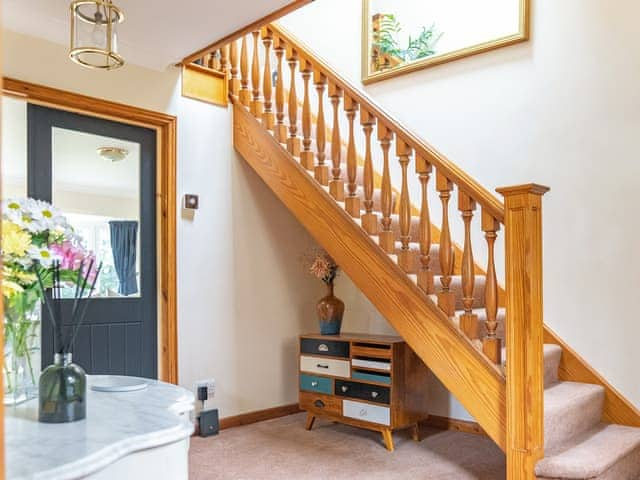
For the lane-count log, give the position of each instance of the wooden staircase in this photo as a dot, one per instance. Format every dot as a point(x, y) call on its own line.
point(446, 307)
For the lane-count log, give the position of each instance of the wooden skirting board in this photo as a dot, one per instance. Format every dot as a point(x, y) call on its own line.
point(448, 423)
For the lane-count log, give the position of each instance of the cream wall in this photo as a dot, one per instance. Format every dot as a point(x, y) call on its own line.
point(562, 109)
point(242, 296)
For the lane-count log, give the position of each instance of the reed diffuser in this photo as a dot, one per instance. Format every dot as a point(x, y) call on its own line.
point(63, 385)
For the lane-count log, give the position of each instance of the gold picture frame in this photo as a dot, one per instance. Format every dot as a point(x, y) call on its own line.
point(369, 75)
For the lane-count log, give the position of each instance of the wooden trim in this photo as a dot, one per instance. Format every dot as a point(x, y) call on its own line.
point(253, 26)
point(448, 423)
point(205, 84)
point(165, 126)
point(259, 416)
point(454, 359)
point(2, 462)
point(463, 181)
point(573, 368)
point(524, 330)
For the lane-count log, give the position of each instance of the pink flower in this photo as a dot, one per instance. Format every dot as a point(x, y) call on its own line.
point(72, 256)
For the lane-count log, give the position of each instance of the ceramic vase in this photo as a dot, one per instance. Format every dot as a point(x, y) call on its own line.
point(330, 311)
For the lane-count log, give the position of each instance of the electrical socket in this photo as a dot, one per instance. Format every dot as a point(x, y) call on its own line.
point(210, 383)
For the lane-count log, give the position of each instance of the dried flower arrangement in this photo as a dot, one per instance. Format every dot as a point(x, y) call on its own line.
point(320, 264)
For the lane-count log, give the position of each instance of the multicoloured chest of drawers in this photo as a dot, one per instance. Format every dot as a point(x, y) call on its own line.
point(370, 381)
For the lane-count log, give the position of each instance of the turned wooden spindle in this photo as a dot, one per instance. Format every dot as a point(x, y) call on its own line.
point(256, 106)
point(234, 81)
point(385, 237)
point(267, 86)
point(446, 298)
point(224, 59)
point(352, 200)
point(336, 185)
point(321, 171)
point(293, 142)
point(491, 344)
point(425, 275)
point(207, 60)
point(306, 156)
point(245, 94)
point(468, 320)
point(280, 129)
point(405, 259)
point(369, 219)
point(216, 63)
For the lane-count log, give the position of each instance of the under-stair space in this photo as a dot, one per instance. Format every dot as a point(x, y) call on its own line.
point(327, 150)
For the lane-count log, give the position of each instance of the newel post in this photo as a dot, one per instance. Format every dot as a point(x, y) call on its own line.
point(524, 329)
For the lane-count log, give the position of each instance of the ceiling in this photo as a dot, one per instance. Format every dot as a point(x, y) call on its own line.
point(155, 34)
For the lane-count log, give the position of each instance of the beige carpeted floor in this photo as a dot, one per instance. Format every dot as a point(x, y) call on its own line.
point(283, 449)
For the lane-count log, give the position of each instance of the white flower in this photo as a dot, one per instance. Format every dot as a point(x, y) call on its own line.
point(43, 255)
point(46, 215)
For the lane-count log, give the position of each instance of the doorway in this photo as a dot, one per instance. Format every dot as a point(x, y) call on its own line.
point(101, 175)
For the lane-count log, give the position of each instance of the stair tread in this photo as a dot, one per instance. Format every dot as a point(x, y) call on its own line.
point(552, 355)
point(591, 454)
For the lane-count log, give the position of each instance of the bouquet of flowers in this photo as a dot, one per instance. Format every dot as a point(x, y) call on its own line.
point(35, 237)
point(321, 265)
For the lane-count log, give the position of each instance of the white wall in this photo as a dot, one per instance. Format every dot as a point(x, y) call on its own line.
point(242, 296)
point(563, 110)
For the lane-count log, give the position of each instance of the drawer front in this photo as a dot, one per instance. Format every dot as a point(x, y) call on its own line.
point(325, 366)
point(372, 377)
point(372, 393)
point(319, 403)
point(366, 412)
point(331, 348)
point(310, 383)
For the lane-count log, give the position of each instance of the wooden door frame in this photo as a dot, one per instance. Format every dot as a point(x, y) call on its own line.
point(166, 206)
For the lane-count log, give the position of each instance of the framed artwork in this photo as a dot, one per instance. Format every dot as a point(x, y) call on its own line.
point(401, 36)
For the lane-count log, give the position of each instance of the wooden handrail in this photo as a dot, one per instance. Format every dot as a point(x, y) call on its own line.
point(461, 179)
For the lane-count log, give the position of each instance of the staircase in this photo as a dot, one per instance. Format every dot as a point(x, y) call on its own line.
point(553, 416)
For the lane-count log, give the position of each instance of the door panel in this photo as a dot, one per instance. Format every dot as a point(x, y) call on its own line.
point(120, 331)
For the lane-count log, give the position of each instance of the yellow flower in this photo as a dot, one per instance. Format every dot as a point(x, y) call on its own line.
point(9, 288)
point(15, 241)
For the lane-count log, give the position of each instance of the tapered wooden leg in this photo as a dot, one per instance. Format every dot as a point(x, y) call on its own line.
point(310, 419)
point(387, 438)
point(415, 432)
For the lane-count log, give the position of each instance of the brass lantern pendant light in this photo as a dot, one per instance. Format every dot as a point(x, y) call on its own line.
point(94, 34)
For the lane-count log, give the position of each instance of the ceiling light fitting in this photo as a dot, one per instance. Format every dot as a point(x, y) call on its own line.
point(115, 154)
point(94, 34)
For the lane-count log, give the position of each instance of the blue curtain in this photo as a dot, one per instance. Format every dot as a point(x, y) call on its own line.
point(124, 234)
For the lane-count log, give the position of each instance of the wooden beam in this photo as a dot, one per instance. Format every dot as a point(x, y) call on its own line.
point(273, 16)
point(478, 384)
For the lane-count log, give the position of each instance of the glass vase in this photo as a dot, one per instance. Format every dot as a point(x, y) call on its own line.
point(21, 350)
point(63, 391)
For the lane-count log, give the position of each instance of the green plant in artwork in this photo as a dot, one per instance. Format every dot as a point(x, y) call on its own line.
point(385, 39)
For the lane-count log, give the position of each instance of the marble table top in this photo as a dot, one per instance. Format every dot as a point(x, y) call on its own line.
point(117, 425)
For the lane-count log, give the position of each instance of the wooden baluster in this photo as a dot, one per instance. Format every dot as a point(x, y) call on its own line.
point(280, 129)
point(336, 185)
point(208, 60)
point(369, 219)
point(234, 81)
point(352, 201)
point(468, 320)
point(293, 142)
point(425, 275)
point(524, 329)
point(446, 298)
point(321, 171)
point(245, 94)
point(267, 88)
point(405, 260)
point(385, 237)
point(306, 156)
point(224, 58)
point(256, 106)
point(491, 344)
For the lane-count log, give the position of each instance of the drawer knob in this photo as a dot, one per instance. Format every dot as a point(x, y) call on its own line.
point(374, 394)
point(319, 365)
point(319, 403)
point(344, 388)
point(323, 347)
point(363, 412)
point(314, 384)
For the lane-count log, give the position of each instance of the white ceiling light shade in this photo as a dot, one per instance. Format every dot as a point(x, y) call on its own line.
point(115, 154)
point(94, 34)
